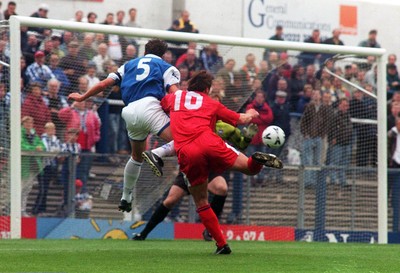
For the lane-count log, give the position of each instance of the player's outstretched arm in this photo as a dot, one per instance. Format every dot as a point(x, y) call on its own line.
point(248, 116)
point(99, 87)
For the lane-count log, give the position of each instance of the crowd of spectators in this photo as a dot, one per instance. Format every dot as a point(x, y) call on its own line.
point(55, 63)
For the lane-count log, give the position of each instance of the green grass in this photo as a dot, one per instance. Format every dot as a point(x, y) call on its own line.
point(183, 256)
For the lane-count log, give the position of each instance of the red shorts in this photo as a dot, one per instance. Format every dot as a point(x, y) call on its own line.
point(207, 154)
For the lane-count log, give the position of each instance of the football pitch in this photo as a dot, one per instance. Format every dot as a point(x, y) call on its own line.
point(186, 256)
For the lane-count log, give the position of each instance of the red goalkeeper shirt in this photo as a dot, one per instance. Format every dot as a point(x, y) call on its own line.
point(193, 114)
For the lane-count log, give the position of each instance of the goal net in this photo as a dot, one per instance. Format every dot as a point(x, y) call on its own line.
point(327, 108)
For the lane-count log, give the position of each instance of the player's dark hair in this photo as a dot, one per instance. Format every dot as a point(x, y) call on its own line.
point(156, 47)
point(200, 81)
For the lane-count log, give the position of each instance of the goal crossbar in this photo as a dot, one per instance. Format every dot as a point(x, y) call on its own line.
point(200, 38)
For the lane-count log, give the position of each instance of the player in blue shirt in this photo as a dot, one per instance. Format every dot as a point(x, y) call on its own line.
point(143, 83)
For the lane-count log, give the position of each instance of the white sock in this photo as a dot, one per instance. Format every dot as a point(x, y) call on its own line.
point(131, 176)
point(166, 150)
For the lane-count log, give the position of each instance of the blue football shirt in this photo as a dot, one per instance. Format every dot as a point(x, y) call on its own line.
point(147, 76)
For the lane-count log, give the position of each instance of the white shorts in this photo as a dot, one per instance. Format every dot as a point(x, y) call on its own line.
point(144, 116)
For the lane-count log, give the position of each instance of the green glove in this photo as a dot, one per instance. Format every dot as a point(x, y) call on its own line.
point(250, 131)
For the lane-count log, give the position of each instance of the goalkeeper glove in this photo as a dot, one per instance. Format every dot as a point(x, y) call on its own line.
point(250, 131)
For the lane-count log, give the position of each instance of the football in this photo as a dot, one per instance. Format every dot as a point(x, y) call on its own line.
point(273, 137)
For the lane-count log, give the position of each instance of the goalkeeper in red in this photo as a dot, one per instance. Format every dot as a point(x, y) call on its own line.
point(200, 150)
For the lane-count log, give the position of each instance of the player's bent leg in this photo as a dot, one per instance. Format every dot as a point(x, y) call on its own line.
point(246, 165)
point(131, 175)
point(154, 157)
point(269, 160)
point(166, 150)
point(253, 165)
point(218, 186)
point(155, 162)
point(174, 195)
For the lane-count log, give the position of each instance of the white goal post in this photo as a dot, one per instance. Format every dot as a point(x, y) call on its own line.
point(16, 22)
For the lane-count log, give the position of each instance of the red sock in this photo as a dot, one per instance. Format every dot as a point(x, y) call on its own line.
point(210, 221)
point(254, 166)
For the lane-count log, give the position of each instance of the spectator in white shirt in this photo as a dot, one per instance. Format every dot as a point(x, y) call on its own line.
point(91, 75)
point(101, 58)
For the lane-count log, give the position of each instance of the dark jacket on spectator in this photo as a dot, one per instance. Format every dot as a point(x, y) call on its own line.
point(314, 121)
point(341, 129)
point(302, 103)
point(282, 117)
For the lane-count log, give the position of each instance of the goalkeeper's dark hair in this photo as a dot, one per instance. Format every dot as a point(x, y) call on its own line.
point(156, 47)
point(200, 81)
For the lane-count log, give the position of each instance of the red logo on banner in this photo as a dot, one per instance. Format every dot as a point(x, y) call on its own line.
point(233, 232)
point(348, 19)
point(28, 227)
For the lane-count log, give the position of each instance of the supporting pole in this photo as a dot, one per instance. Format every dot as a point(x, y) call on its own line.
point(382, 153)
point(15, 129)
